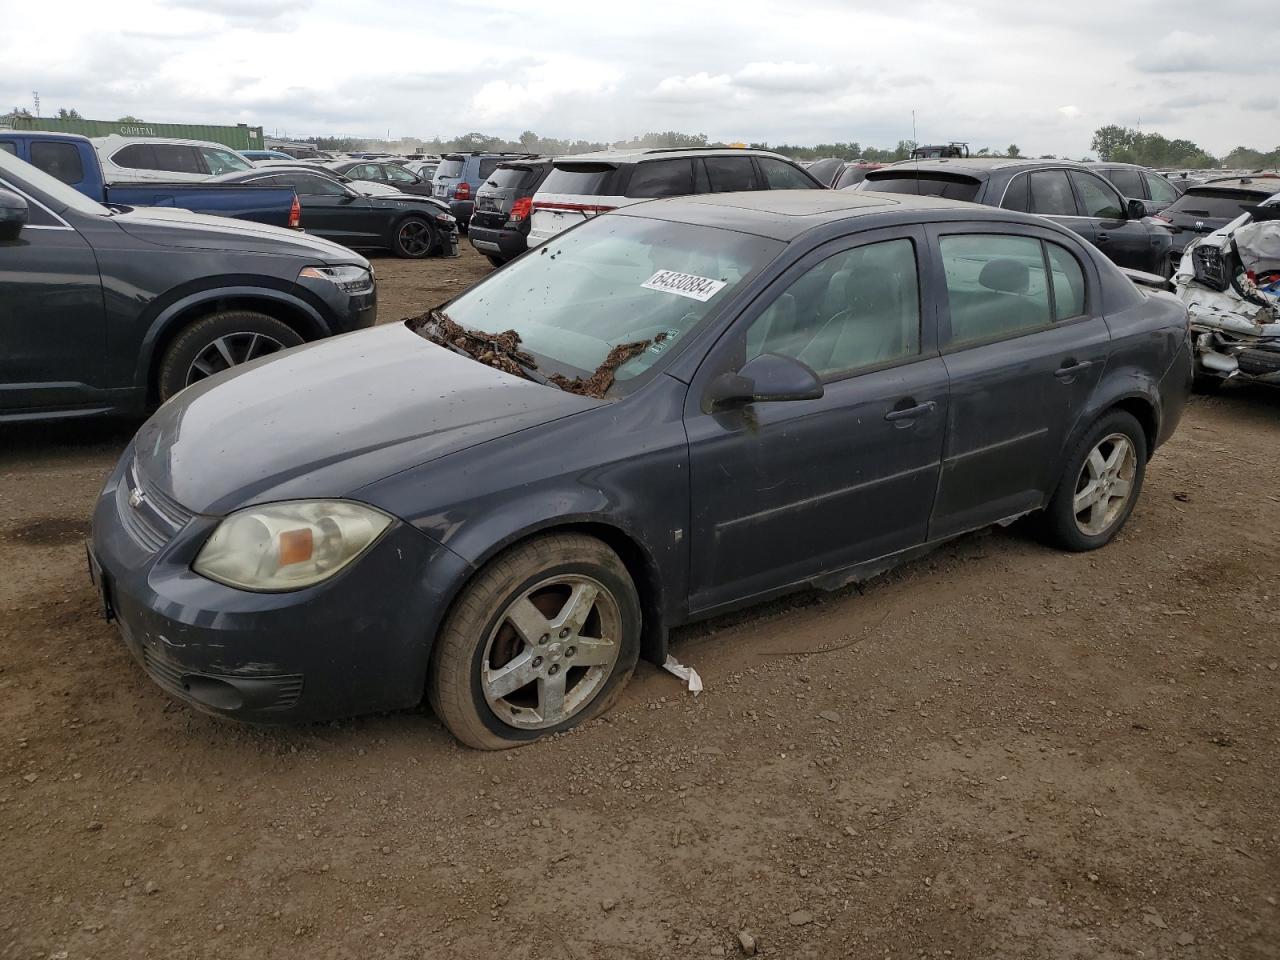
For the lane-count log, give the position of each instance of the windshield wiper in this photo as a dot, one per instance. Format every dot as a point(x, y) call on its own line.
point(498, 350)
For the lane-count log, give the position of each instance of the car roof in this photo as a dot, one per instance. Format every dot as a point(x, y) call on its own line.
point(651, 153)
point(786, 214)
point(114, 139)
point(979, 168)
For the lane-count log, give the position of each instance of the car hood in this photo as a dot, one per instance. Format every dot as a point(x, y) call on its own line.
point(324, 419)
point(174, 227)
point(395, 198)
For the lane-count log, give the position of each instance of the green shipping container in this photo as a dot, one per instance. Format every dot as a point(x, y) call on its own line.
point(239, 137)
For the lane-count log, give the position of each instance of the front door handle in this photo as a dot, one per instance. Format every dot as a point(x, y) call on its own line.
point(1070, 368)
point(919, 410)
point(1101, 238)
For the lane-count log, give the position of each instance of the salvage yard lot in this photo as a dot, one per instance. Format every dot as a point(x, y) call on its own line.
point(997, 751)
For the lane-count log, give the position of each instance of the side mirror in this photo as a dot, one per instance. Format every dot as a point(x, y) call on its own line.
point(13, 215)
point(1135, 209)
point(349, 197)
point(767, 378)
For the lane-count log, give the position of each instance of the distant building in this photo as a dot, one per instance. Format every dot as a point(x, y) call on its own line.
point(238, 137)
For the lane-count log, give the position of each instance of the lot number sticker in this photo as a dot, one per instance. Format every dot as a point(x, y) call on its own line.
point(684, 285)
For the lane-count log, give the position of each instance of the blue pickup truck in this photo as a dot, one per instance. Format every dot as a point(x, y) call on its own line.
point(73, 160)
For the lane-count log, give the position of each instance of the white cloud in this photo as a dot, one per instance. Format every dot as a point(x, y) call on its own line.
point(1071, 112)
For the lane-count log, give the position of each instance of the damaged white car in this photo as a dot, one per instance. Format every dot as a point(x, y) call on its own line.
point(1230, 282)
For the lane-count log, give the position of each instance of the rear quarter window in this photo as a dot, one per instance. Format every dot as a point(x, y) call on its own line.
point(585, 180)
point(948, 185)
point(136, 156)
point(8, 146)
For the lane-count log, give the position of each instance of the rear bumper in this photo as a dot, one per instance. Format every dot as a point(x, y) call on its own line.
point(462, 210)
point(1175, 388)
point(499, 242)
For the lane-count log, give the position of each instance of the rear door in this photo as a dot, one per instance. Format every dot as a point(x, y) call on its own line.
point(1024, 344)
point(782, 492)
point(730, 174)
point(52, 321)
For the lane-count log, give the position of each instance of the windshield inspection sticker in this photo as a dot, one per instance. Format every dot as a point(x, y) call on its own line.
point(684, 285)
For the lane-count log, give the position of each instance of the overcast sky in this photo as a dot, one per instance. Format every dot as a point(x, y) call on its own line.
point(991, 72)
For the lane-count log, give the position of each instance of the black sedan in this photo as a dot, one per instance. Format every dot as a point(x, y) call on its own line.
point(694, 404)
point(384, 172)
point(1068, 193)
point(335, 208)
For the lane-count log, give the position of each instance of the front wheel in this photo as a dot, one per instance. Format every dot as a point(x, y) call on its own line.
point(1100, 486)
point(544, 638)
point(218, 342)
point(414, 238)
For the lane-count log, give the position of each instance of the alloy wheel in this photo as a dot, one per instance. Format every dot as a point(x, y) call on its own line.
point(1105, 484)
point(415, 238)
point(230, 351)
point(551, 652)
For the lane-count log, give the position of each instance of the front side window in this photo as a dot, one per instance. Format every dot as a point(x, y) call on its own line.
point(223, 161)
point(8, 146)
point(996, 286)
point(1127, 181)
point(176, 158)
point(304, 185)
point(612, 281)
point(856, 309)
point(729, 174)
point(59, 160)
point(1161, 189)
point(1051, 194)
point(1097, 199)
point(780, 175)
point(661, 178)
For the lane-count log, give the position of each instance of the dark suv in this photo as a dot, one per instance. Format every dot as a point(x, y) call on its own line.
point(459, 176)
point(1212, 205)
point(1070, 194)
point(106, 311)
point(500, 225)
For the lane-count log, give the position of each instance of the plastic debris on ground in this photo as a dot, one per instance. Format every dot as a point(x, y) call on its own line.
point(687, 674)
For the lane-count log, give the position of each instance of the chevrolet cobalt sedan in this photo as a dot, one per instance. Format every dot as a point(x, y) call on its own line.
point(667, 412)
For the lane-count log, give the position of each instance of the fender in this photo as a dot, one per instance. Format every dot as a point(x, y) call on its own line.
point(163, 321)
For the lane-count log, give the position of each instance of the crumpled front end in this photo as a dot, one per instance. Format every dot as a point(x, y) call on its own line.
point(1230, 283)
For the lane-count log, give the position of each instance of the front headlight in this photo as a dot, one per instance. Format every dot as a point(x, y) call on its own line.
point(349, 279)
point(287, 546)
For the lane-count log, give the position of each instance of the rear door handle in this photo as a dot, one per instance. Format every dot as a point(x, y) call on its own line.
point(919, 410)
point(1069, 369)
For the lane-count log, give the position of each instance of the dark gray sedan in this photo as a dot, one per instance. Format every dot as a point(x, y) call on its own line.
point(670, 411)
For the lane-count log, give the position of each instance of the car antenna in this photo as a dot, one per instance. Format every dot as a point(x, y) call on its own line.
point(915, 140)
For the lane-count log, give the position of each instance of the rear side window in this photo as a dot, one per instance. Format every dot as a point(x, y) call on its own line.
point(1161, 190)
point(176, 158)
point(728, 174)
point(996, 286)
point(136, 156)
point(661, 178)
point(449, 168)
point(951, 186)
point(487, 166)
point(580, 179)
point(1068, 282)
point(8, 146)
point(1051, 194)
point(1127, 182)
point(780, 175)
point(1097, 199)
point(59, 160)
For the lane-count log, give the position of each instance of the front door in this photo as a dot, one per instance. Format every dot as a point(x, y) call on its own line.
point(1025, 345)
point(785, 491)
point(52, 329)
point(1126, 242)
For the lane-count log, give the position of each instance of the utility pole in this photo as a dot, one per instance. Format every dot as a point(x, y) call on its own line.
point(35, 98)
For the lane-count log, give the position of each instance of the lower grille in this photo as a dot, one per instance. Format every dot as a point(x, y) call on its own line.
point(150, 515)
point(285, 690)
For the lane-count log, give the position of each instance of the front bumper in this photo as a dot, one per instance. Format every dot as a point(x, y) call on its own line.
point(342, 311)
point(356, 643)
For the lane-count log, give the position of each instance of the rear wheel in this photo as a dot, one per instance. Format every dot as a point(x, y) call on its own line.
point(414, 238)
point(544, 638)
point(219, 342)
point(1100, 485)
point(496, 261)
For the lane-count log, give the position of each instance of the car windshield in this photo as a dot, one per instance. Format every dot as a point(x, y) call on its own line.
point(612, 282)
point(57, 195)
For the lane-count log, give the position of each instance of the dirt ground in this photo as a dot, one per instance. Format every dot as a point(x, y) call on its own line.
point(996, 751)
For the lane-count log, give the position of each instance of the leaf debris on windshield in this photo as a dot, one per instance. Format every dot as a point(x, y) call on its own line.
point(502, 352)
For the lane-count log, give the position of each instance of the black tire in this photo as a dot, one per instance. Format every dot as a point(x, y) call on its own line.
point(194, 353)
point(454, 686)
point(496, 261)
point(1060, 523)
point(1202, 383)
point(414, 238)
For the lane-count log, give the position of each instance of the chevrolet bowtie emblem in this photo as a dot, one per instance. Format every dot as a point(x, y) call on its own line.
point(135, 499)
